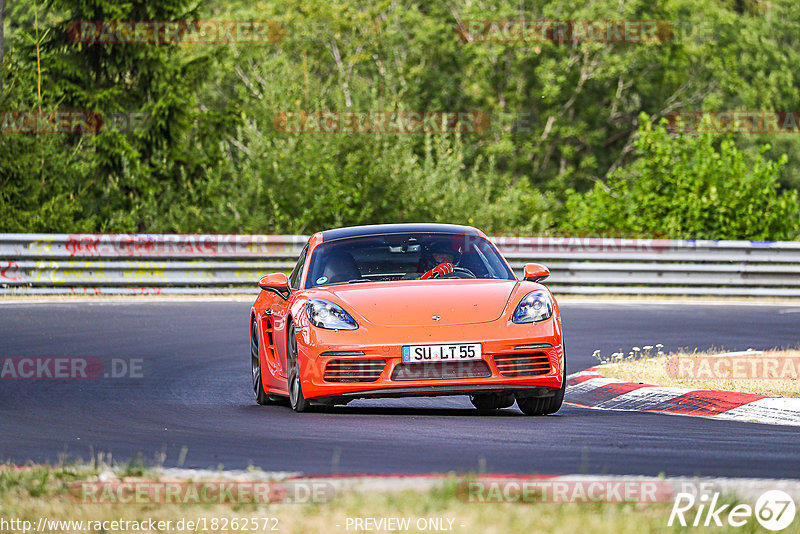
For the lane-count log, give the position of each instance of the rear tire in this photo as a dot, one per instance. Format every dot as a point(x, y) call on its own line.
point(545, 405)
point(296, 399)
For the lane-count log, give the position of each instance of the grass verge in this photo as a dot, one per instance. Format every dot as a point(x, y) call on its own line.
point(47, 492)
point(774, 374)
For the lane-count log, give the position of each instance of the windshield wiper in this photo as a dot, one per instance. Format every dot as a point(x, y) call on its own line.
point(354, 281)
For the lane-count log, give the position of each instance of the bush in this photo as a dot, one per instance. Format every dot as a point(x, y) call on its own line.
point(685, 187)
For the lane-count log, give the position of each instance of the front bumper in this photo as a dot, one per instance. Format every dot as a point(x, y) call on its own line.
point(367, 362)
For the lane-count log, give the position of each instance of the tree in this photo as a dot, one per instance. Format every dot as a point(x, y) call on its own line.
point(2, 28)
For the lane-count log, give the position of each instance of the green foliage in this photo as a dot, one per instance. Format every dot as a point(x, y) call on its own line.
point(115, 180)
point(566, 150)
point(686, 187)
point(303, 183)
point(41, 177)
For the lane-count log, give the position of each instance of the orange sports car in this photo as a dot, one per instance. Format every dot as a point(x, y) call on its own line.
point(407, 310)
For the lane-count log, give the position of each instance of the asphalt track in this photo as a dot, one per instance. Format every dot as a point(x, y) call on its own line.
point(195, 394)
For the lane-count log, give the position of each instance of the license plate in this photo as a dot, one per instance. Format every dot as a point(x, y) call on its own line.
point(441, 353)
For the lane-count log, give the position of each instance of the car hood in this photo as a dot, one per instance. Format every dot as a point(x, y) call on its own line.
point(417, 302)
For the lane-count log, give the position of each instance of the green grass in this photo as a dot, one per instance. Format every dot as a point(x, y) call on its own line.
point(45, 491)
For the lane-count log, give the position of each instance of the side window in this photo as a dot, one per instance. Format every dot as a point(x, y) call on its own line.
point(294, 279)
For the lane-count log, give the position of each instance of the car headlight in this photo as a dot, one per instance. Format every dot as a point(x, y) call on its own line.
point(324, 314)
point(536, 306)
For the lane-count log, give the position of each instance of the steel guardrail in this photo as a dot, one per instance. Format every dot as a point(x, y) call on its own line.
point(100, 264)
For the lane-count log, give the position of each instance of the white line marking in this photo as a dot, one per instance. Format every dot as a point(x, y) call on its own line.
point(644, 398)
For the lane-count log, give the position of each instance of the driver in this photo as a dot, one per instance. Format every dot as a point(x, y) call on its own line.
point(445, 260)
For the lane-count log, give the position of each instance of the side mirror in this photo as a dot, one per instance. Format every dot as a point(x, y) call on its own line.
point(534, 272)
point(277, 283)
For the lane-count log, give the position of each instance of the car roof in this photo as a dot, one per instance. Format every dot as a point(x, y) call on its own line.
point(379, 229)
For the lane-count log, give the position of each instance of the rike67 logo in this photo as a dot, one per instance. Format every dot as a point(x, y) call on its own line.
point(774, 510)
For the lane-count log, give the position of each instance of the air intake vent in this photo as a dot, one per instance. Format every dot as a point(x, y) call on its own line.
point(354, 370)
point(441, 370)
point(522, 364)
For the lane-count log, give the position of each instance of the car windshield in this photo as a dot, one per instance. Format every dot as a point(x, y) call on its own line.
point(404, 257)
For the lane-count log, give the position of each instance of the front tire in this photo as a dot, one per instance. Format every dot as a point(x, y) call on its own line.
point(487, 402)
point(296, 399)
point(255, 365)
point(545, 405)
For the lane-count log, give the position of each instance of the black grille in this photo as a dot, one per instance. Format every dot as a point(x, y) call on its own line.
point(441, 370)
point(522, 364)
point(354, 370)
point(268, 328)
